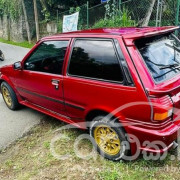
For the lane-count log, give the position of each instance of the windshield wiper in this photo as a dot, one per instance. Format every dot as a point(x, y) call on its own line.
point(173, 47)
point(163, 74)
point(176, 66)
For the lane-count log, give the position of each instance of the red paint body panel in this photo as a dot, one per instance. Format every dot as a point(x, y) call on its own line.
point(77, 97)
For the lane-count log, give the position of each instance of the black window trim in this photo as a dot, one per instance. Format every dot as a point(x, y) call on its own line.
point(127, 74)
point(65, 57)
point(91, 78)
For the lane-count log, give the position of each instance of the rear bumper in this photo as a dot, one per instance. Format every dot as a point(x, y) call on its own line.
point(159, 151)
point(156, 141)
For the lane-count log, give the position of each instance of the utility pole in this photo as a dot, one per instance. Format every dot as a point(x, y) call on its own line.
point(36, 19)
point(177, 13)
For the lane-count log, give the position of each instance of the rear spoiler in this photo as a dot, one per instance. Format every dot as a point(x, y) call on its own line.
point(130, 38)
point(158, 93)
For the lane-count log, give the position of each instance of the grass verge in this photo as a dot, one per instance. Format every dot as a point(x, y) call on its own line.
point(21, 44)
point(30, 158)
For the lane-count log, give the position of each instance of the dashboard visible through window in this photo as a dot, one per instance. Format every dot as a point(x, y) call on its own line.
point(48, 57)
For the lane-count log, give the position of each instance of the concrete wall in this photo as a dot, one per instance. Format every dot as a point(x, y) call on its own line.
point(18, 30)
point(12, 29)
point(4, 27)
point(15, 30)
point(47, 29)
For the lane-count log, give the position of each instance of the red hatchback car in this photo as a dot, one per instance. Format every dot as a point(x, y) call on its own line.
point(122, 84)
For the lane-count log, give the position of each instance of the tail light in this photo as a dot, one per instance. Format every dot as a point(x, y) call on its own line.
point(162, 108)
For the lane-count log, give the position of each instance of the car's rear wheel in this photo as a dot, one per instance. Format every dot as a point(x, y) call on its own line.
point(9, 96)
point(109, 138)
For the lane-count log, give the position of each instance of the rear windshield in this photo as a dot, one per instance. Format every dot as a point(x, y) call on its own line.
point(161, 55)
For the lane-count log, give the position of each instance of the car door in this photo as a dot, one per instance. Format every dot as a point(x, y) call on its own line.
point(97, 78)
point(40, 81)
point(94, 73)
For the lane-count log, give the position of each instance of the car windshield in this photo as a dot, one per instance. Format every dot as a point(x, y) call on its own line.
point(161, 55)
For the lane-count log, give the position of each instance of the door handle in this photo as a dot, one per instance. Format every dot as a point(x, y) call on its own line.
point(55, 83)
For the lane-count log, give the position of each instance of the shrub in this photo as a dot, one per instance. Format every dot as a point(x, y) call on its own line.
point(121, 19)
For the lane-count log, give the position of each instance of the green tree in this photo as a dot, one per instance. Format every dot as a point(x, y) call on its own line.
point(50, 6)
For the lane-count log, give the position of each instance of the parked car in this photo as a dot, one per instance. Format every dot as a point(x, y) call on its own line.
point(118, 83)
point(1, 56)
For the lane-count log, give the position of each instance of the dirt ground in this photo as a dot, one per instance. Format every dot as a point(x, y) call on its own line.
point(31, 158)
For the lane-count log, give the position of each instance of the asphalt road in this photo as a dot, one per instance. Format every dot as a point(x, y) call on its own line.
point(13, 124)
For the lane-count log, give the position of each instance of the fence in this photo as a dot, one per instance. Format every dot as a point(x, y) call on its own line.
point(136, 12)
point(115, 13)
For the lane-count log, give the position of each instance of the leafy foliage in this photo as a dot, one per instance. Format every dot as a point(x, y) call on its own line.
point(50, 7)
point(70, 3)
point(118, 19)
point(11, 8)
point(47, 15)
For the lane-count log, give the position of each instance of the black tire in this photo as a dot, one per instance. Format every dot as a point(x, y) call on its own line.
point(15, 104)
point(119, 130)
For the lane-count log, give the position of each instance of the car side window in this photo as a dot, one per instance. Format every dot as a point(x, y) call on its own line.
point(95, 59)
point(48, 57)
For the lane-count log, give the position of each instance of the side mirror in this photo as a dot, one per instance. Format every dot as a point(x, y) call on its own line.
point(17, 66)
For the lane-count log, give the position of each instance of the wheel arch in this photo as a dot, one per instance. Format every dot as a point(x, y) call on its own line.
point(1, 81)
point(96, 112)
point(5, 78)
point(8, 81)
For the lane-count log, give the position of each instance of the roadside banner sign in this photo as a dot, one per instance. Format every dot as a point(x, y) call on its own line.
point(70, 22)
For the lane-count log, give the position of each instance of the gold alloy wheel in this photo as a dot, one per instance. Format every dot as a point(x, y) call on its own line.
point(107, 139)
point(7, 96)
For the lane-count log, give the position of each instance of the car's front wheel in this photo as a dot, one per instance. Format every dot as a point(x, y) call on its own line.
point(9, 96)
point(109, 138)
